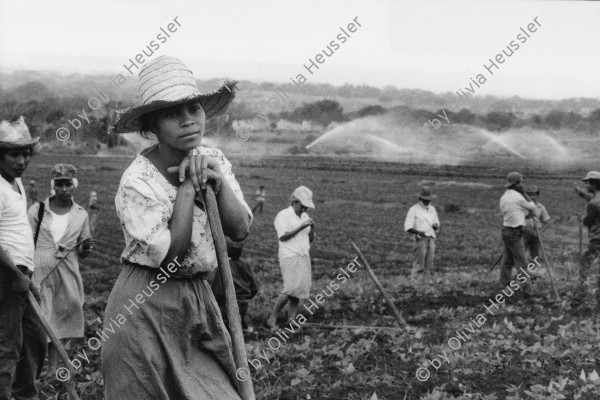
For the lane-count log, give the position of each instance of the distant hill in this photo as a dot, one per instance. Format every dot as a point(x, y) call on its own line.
point(36, 85)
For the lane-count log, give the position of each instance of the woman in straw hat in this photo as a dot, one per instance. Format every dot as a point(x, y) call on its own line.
point(62, 236)
point(163, 333)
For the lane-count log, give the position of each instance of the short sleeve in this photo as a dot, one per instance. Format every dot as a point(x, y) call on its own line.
point(281, 224)
point(2, 201)
point(85, 230)
point(145, 222)
point(32, 215)
point(409, 222)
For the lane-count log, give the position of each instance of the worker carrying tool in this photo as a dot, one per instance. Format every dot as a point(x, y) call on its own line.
point(592, 221)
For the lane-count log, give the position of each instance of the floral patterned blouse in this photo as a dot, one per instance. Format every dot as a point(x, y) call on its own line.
point(145, 202)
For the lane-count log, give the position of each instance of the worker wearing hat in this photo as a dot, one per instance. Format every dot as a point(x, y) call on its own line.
point(295, 230)
point(537, 220)
point(22, 339)
point(176, 346)
point(592, 221)
point(515, 206)
point(422, 221)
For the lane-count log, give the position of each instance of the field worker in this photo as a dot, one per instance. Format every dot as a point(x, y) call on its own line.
point(173, 345)
point(260, 199)
point(22, 338)
point(32, 194)
point(515, 205)
point(61, 236)
point(245, 284)
point(295, 231)
point(422, 221)
point(94, 209)
point(592, 221)
point(538, 219)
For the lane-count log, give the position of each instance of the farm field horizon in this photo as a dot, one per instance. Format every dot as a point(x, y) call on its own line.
point(531, 348)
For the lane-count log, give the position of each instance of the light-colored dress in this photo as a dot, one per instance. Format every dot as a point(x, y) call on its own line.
point(61, 288)
point(164, 337)
point(294, 256)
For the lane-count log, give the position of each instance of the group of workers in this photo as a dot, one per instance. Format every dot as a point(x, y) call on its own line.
point(39, 252)
point(164, 318)
point(523, 218)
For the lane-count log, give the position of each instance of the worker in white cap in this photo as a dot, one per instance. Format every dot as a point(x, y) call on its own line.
point(295, 231)
point(592, 221)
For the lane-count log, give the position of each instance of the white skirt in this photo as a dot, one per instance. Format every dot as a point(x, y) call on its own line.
point(296, 274)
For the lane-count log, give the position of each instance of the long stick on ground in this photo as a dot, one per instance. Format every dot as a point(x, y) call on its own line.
point(245, 388)
point(399, 318)
point(329, 326)
point(547, 262)
point(69, 385)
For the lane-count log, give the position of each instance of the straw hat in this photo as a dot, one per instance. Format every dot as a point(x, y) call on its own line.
point(304, 196)
point(14, 135)
point(426, 194)
point(166, 82)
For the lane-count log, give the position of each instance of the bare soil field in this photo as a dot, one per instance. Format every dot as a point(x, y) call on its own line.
point(529, 348)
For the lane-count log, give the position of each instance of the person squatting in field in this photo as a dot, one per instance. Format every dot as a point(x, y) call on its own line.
point(515, 205)
point(539, 219)
point(294, 258)
point(61, 236)
point(422, 221)
point(22, 339)
point(175, 346)
point(592, 221)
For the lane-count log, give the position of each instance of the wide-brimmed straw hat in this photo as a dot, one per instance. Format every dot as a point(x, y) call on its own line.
point(166, 82)
point(15, 135)
point(304, 196)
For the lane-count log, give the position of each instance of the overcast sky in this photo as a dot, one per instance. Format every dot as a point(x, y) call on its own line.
point(436, 46)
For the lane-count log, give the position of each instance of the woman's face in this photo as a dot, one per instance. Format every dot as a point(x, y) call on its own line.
point(64, 188)
point(181, 126)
